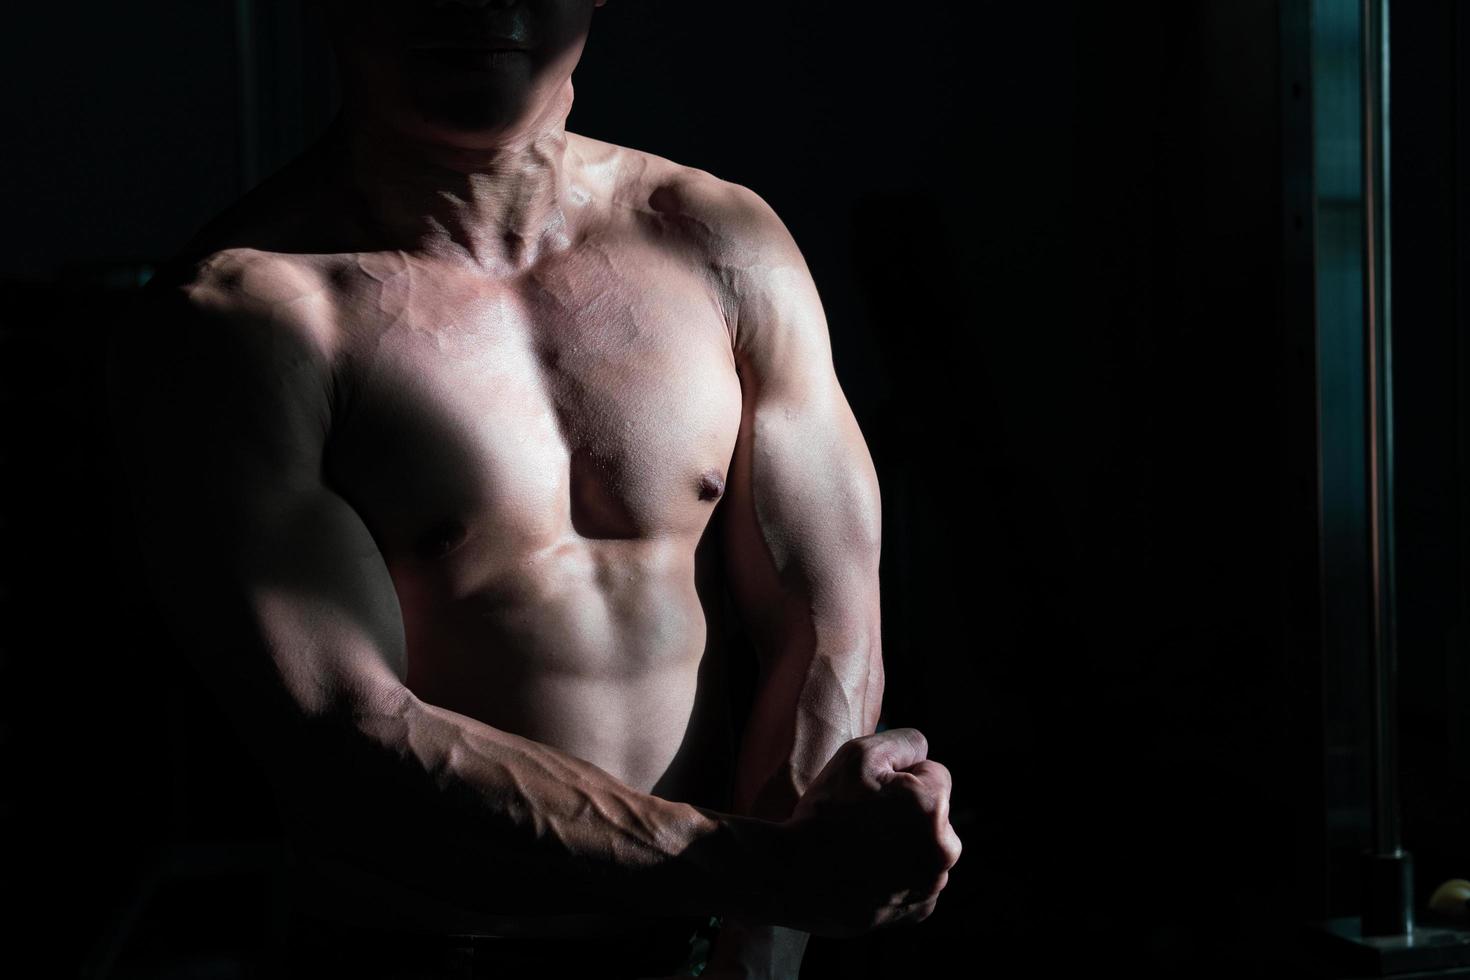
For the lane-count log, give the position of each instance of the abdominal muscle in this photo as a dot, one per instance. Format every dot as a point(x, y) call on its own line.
point(624, 671)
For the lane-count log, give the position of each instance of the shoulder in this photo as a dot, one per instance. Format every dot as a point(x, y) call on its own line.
point(232, 328)
point(720, 214)
point(247, 283)
point(236, 292)
point(729, 229)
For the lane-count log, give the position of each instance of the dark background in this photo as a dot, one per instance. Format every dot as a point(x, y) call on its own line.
point(1054, 246)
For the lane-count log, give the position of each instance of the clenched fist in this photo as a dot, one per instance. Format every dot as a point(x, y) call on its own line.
point(870, 843)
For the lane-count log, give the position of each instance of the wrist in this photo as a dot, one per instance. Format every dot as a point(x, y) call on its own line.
point(751, 868)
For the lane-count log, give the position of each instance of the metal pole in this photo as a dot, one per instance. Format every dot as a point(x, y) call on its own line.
point(1388, 890)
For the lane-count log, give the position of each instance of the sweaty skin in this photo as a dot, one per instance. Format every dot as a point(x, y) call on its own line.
point(562, 394)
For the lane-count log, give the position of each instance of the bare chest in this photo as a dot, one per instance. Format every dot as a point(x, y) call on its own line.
point(596, 397)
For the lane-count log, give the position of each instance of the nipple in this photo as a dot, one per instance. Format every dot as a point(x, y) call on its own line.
point(711, 484)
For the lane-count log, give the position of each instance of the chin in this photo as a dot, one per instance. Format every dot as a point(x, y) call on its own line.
point(470, 116)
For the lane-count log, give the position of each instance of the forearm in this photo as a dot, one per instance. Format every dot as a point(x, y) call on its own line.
point(769, 778)
point(496, 823)
point(789, 737)
point(805, 708)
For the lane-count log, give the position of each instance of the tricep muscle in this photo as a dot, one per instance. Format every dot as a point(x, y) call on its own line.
point(266, 575)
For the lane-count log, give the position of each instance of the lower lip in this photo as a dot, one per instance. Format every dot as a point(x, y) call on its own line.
point(469, 59)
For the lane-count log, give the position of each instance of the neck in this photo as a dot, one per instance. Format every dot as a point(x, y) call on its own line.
point(499, 207)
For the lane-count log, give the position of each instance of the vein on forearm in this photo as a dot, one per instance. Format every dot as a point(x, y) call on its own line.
point(820, 684)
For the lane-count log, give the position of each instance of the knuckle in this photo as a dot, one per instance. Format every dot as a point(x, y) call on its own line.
point(927, 800)
point(873, 764)
point(947, 857)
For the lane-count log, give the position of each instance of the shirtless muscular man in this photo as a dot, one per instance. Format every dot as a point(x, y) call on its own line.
point(447, 443)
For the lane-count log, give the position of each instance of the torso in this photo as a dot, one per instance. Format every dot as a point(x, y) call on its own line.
point(541, 460)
